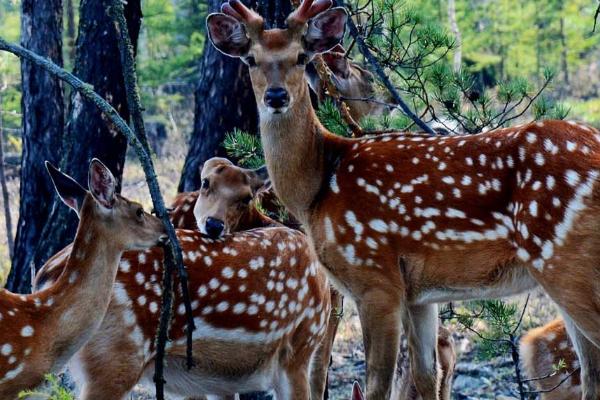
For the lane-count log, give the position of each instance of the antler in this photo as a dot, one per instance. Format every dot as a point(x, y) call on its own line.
point(237, 10)
point(307, 10)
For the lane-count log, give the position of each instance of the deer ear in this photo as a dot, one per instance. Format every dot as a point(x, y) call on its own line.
point(102, 184)
point(337, 63)
point(259, 179)
point(228, 35)
point(70, 192)
point(357, 392)
point(325, 30)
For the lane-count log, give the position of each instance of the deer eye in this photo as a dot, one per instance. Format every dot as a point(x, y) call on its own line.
point(205, 183)
point(302, 59)
point(250, 61)
point(246, 200)
point(139, 212)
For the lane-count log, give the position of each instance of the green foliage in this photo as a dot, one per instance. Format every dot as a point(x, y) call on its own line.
point(331, 117)
point(52, 391)
point(245, 148)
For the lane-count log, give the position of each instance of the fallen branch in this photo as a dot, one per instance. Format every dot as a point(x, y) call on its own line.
point(87, 91)
point(174, 259)
point(366, 52)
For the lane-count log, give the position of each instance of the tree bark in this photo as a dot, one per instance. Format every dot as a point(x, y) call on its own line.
point(88, 134)
point(457, 60)
point(224, 101)
point(43, 120)
point(5, 195)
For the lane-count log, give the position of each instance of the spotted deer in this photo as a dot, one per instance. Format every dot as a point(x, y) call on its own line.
point(402, 223)
point(260, 303)
point(227, 200)
point(543, 351)
point(352, 82)
point(40, 332)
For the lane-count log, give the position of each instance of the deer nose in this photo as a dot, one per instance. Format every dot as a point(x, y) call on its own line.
point(276, 97)
point(214, 227)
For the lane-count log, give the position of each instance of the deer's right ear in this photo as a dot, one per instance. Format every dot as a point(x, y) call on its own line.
point(228, 35)
point(70, 192)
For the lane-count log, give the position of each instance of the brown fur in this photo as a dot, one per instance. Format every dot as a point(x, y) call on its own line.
point(272, 262)
point(542, 350)
point(399, 227)
point(40, 332)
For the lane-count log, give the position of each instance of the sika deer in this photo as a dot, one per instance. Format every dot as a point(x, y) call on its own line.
point(402, 223)
point(226, 203)
point(542, 350)
point(352, 82)
point(261, 308)
point(40, 332)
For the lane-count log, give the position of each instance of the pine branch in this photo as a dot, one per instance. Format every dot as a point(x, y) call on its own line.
point(366, 52)
point(87, 91)
point(173, 257)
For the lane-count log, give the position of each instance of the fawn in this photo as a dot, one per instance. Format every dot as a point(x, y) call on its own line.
point(40, 332)
point(402, 223)
point(226, 203)
point(542, 350)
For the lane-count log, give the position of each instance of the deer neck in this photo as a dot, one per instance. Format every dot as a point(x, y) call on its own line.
point(79, 299)
point(294, 147)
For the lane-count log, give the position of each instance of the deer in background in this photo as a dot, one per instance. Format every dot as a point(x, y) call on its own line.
point(404, 387)
point(544, 348)
point(402, 223)
point(227, 200)
point(40, 332)
point(352, 82)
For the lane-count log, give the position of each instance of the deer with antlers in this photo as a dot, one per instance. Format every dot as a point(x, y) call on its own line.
point(402, 223)
point(40, 332)
point(544, 350)
point(261, 305)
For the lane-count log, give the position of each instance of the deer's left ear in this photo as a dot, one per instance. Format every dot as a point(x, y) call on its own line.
point(325, 30)
point(102, 184)
point(259, 179)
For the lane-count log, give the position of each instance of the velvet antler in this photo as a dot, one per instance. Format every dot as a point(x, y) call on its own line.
point(307, 10)
point(250, 18)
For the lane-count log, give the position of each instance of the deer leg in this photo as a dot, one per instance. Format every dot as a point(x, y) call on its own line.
point(379, 313)
point(322, 356)
point(293, 384)
point(420, 324)
point(589, 360)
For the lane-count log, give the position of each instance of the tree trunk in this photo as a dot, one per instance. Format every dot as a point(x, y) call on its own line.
point(5, 195)
point(88, 134)
point(224, 101)
point(43, 120)
point(564, 61)
point(457, 61)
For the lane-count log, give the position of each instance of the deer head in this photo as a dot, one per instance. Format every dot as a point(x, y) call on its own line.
point(130, 226)
point(226, 195)
point(277, 57)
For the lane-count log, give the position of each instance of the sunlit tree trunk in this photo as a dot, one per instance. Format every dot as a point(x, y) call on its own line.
point(457, 60)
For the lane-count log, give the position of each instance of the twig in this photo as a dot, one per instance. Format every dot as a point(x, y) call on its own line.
point(555, 386)
point(326, 79)
point(88, 92)
point(596, 17)
point(134, 103)
point(383, 77)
